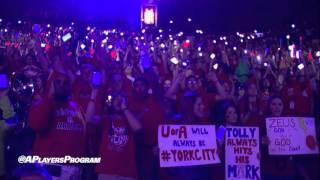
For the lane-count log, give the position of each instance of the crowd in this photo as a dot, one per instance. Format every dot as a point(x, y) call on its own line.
point(94, 92)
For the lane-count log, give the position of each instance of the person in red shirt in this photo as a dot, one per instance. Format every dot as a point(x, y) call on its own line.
point(150, 114)
point(59, 124)
point(250, 105)
point(117, 148)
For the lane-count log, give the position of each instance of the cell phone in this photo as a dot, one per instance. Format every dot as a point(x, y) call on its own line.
point(96, 79)
point(215, 66)
point(300, 66)
point(66, 37)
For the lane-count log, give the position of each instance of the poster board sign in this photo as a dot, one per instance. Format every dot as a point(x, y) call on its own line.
point(187, 145)
point(242, 153)
point(292, 136)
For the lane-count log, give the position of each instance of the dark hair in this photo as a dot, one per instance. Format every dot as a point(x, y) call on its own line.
point(187, 103)
point(219, 110)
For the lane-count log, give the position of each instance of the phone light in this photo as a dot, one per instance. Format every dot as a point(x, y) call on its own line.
point(212, 56)
point(259, 58)
point(298, 54)
point(104, 41)
point(171, 22)
point(200, 54)
point(82, 46)
point(19, 22)
point(293, 26)
point(189, 19)
point(174, 60)
point(300, 66)
point(110, 47)
point(184, 64)
point(162, 45)
point(215, 66)
point(214, 41)
point(245, 51)
point(234, 48)
point(288, 36)
point(265, 64)
point(318, 53)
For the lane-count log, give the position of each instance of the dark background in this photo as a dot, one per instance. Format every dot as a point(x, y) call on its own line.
point(213, 15)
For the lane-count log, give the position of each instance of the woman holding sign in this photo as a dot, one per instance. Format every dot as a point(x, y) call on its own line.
point(192, 113)
point(275, 167)
point(227, 115)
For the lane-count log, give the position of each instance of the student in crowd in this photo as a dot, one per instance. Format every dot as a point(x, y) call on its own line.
point(117, 147)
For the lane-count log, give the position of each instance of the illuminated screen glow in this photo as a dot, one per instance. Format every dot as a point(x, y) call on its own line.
point(149, 16)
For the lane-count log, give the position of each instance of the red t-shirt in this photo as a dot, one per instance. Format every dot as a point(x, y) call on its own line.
point(60, 128)
point(151, 114)
point(117, 149)
point(297, 100)
point(255, 116)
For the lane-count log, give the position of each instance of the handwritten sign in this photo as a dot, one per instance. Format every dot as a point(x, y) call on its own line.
point(292, 136)
point(187, 145)
point(242, 152)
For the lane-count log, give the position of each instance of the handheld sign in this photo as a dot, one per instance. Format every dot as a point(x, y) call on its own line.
point(187, 145)
point(292, 136)
point(242, 152)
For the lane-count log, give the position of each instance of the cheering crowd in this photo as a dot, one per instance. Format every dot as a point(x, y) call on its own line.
point(93, 92)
